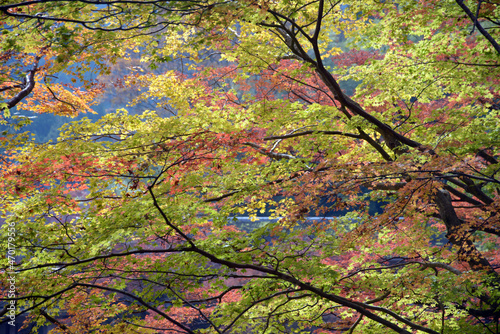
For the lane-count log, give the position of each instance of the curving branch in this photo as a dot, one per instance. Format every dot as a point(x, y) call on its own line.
point(362, 308)
point(457, 234)
point(28, 85)
point(269, 153)
point(309, 132)
point(101, 22)
point(435, 265)
point(289, 36)
point(478, 25)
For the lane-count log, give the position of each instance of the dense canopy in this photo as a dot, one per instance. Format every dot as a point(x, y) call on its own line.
point(281, 166)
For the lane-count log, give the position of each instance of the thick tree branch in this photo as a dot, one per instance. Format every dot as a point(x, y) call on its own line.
point(440, 265)
point(29, 84)
point(475, 190)
point(457, 233)
point(62, 265)
point(392, 138)
point(487, 157)
point(462, 196)
point(478, 25)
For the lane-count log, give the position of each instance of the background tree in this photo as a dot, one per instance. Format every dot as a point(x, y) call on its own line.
point(132, 216)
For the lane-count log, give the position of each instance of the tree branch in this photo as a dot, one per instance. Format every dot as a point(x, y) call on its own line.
point(439, 265)
point(273, 155)
point(140, 301)
point(458, 235)
point(29, 84)
point(54, 321)
point(360, 307)
point(475, 21)
point(305, 133)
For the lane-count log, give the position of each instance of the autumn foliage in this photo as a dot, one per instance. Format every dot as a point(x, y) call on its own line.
point(365, 212)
